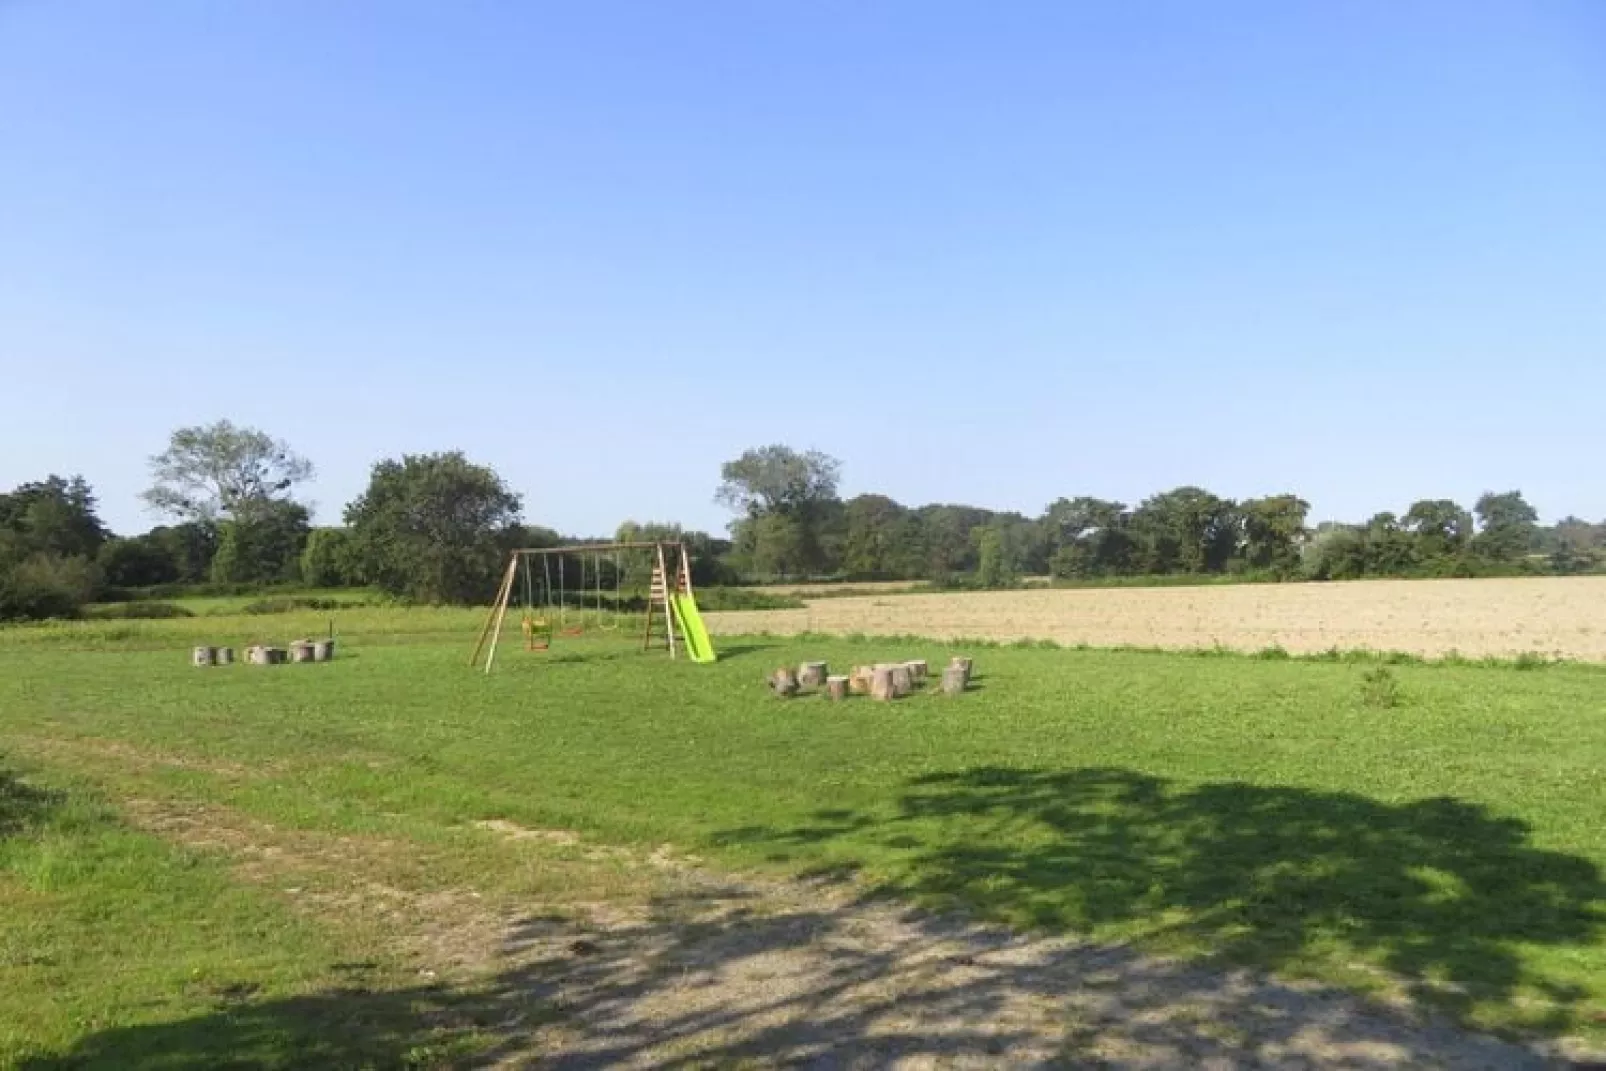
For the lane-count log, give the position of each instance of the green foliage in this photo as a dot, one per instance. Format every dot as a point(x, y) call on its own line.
point(264, 547)
point(221, 470)
point(787, 500)
point(330, 559)
point(1508, 526)
point(429, 527)
point(144, 610)
point(137, 563)
point(287, 604)
point(995, 558)
point(55, 517)
point(46, 585)
point(715, 599)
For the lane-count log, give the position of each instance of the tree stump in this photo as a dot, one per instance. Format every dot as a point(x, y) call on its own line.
point(224, 656)
point(859, 680)
point(918, 669)
point(836, 688)
point(323, 650)
point(264, 656)
point(902, 681)
point(203, 656)
point(954, 679)
point(783, 682)
point(301, 651)
point(881, 686)
point(963, 662)
point(811, 674)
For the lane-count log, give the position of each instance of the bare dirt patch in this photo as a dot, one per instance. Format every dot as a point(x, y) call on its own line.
point(711, 970)
point(1548, 616)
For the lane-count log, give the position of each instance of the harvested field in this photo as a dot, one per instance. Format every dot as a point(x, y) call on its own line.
point(1551, 616)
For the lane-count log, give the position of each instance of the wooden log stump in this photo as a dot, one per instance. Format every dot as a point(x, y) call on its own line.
point(965, 663)
point(203, 656)
point(301, 651)
point(859, 680)
point(954, 680)
point(811, 674)
point(264, 656)
point(323, 650)
point(224, 656)
point(902, 682)
point(783, 682)
point(881, 686)
point(836, 688)
point(918, 670)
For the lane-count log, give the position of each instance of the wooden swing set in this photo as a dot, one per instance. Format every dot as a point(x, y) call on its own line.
point(671, 620)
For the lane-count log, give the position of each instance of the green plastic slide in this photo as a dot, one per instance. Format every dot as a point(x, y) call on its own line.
point(692, 630)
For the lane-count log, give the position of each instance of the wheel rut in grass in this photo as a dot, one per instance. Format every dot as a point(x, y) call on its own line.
point(696, 968)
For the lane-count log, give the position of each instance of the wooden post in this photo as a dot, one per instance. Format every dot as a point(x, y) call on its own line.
point(811, 674)
point(836, 688)
point(954, 679)
point(497, 605)
point(202, 656)
point(783, 682)
point(881, 686)
point(501, 610)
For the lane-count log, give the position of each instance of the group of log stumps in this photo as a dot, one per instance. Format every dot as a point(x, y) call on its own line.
point(884, 681)
point(299, 651)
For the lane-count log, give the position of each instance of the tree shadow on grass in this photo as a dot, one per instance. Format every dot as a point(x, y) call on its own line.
point(23, 806)
point(1439, 893)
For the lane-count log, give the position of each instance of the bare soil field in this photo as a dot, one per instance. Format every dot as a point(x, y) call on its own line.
point(1552, 616)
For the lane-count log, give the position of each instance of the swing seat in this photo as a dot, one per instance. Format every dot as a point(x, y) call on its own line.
point(537, 633)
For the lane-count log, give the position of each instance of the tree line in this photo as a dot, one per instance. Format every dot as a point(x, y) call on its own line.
point(436, 528)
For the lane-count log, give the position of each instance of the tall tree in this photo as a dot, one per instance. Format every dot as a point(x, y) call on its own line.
point(222, 471)
point(1186, 530)
point(429, 526)
point(793, 494)
point(1508, 527)
point(1090, 537)
point(264, 546)
point(1274, 528)
point(1441, 528)
point(55, 516)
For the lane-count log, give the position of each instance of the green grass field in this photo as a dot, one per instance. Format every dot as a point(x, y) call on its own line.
point(1445, 849)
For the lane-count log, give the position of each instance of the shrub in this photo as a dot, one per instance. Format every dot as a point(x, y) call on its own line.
point(139, 611)
point(714, 599)
point(286, 604)
point(47, 585)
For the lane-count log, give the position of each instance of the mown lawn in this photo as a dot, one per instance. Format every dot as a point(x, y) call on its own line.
point(1445, 849)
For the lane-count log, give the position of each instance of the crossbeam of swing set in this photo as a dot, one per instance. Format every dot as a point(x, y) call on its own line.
point(594, 548)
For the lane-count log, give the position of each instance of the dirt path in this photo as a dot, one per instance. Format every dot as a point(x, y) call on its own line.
point(697, 969)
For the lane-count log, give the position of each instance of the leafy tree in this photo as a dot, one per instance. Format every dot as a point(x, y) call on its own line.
point(1390, 549)
point(1273, 529)
point(1440, 527)
point(946, 535)
point(223, 471)
point(1508, 526)
point(191, 545)
point(429, 527)
point(995, 566)
point(1335, 552)
point(771, 545)
point(55, 516)
point(264, 546)
point(1187, 530)
point(137, 563)
point(329, 559)
point(875, 538)
point(1091, 537)
point(794, 495)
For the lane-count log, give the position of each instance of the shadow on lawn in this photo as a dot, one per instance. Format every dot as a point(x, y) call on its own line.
point(22, 805)
point(1437, 890)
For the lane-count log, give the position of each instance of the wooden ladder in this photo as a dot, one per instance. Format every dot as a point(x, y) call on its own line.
point(658, 611)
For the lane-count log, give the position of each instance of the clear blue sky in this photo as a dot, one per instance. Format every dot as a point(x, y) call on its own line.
point(990, 253)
